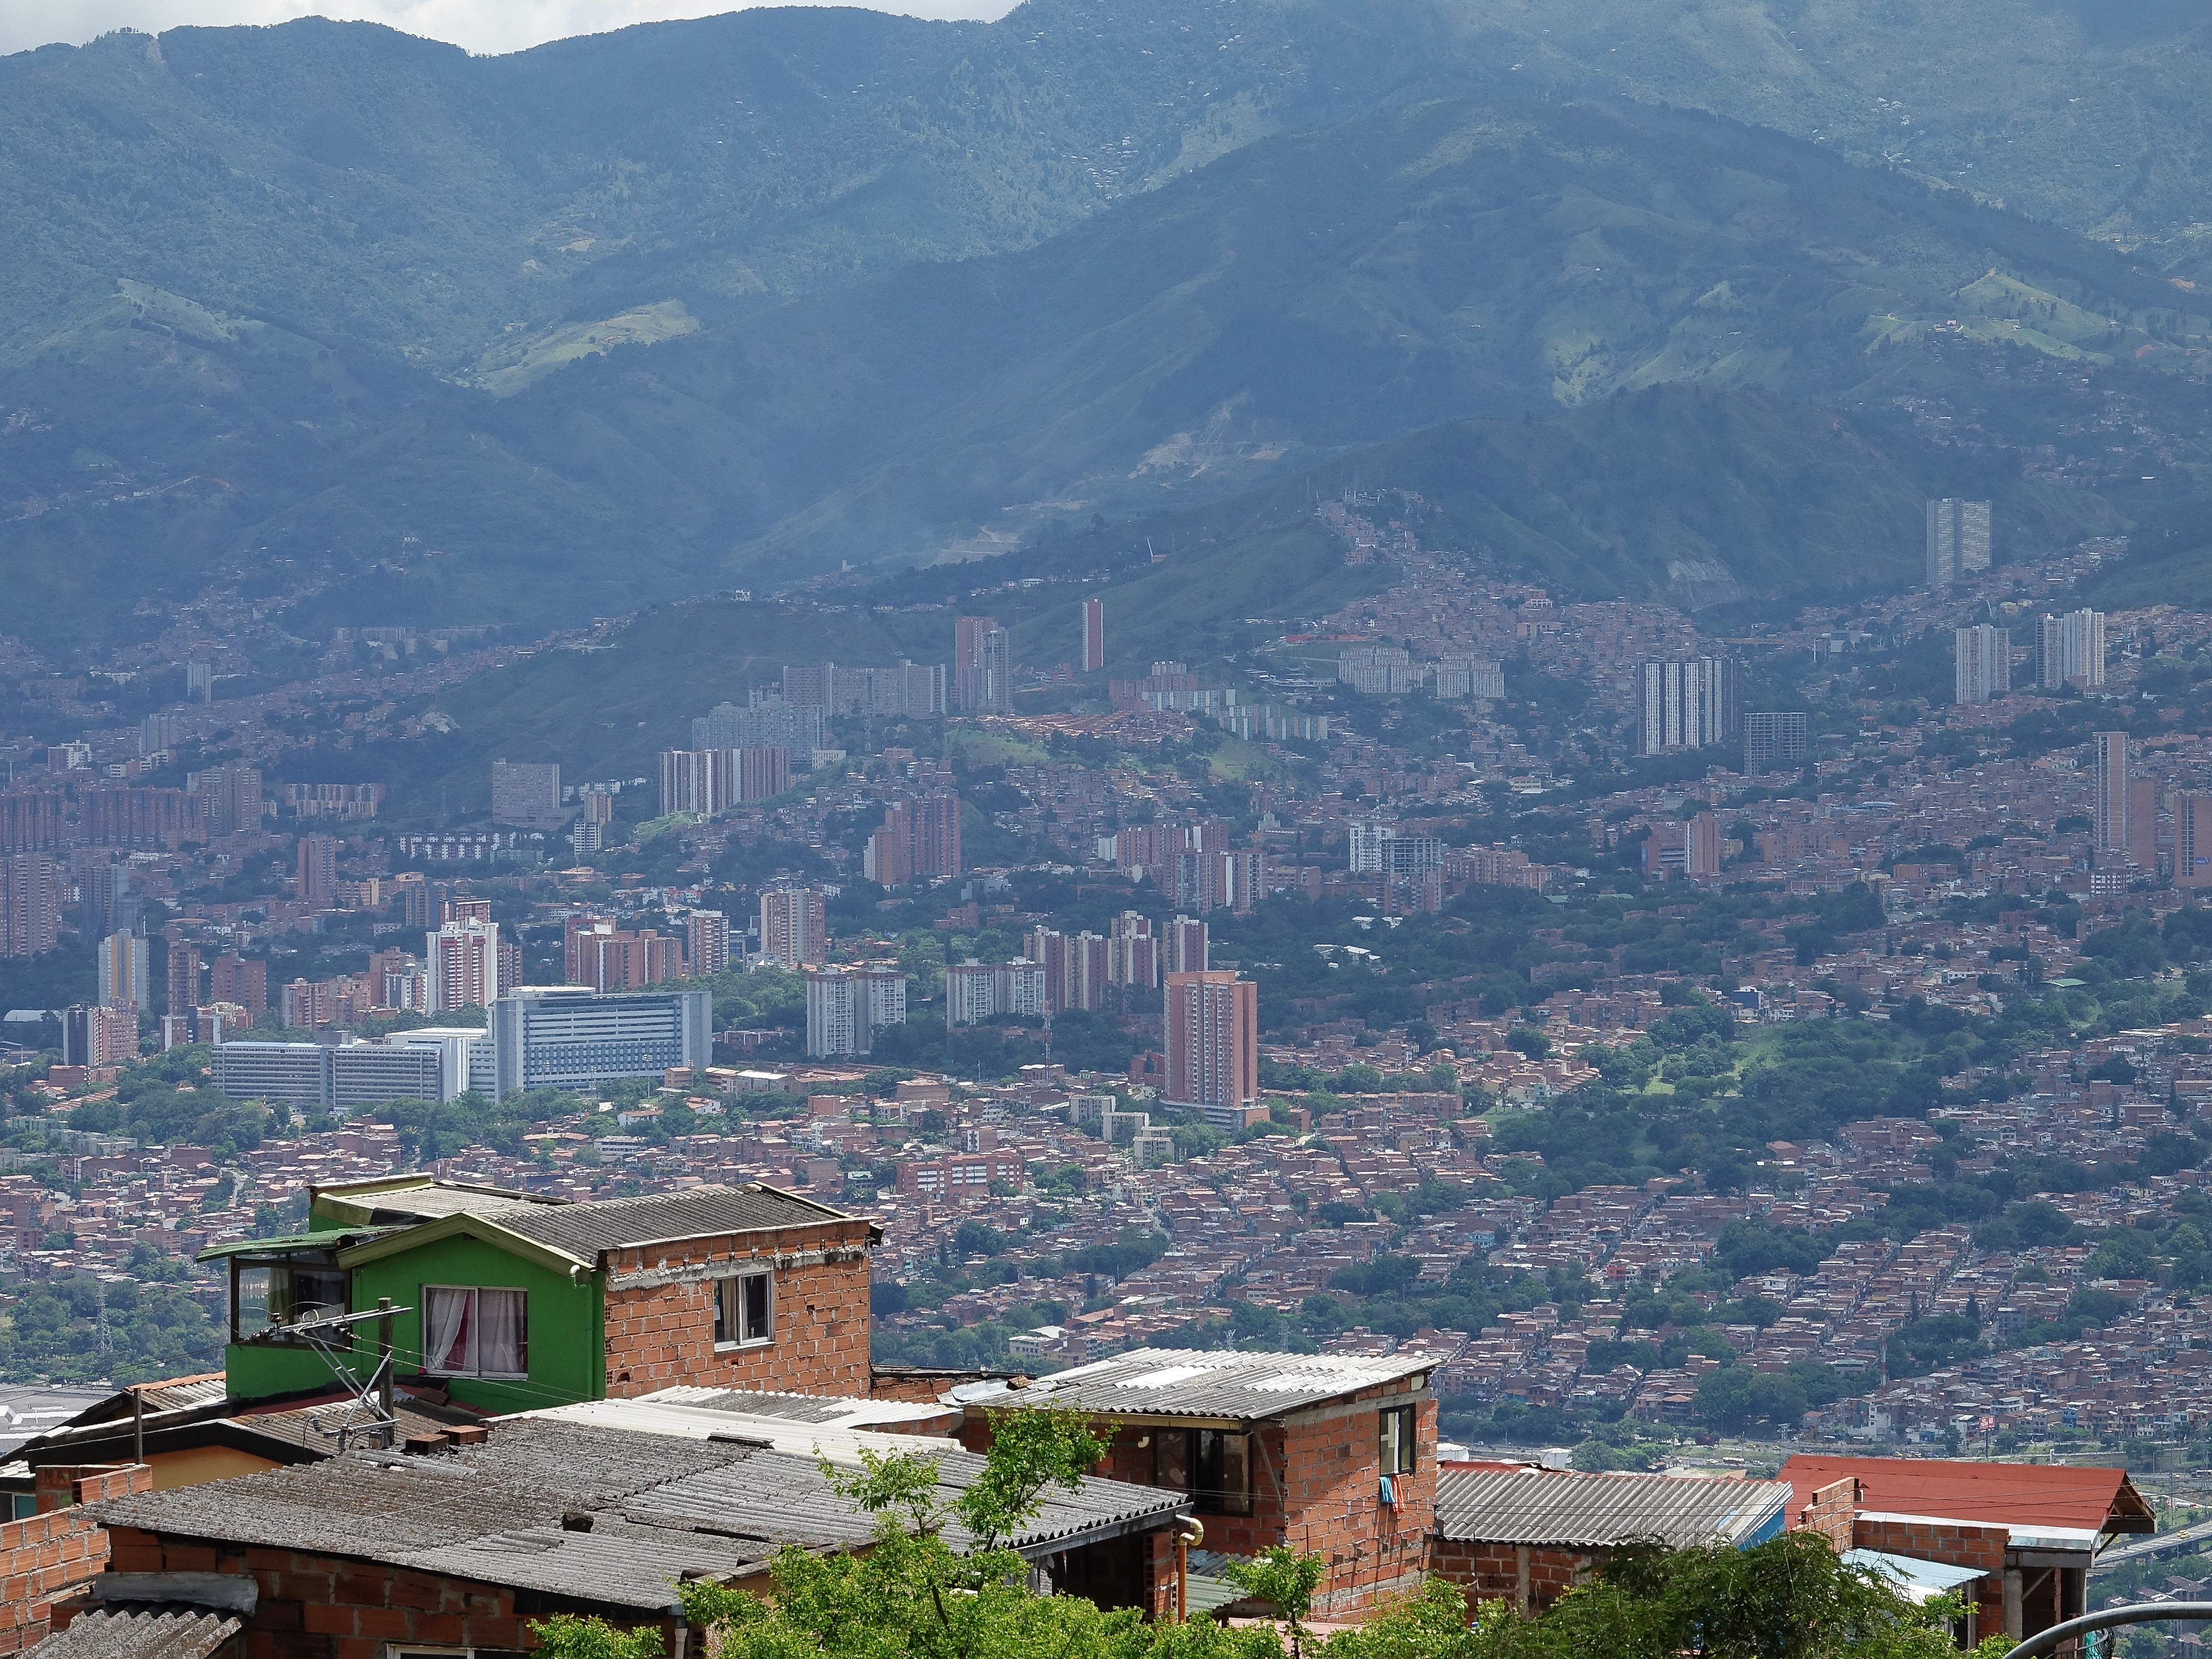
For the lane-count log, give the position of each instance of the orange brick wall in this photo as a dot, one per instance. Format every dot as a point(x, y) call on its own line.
point(1490, 1571)
point(1954, 1546)
point(1832, 1513)
point(48, 1554)
point(663, 1333)
point(320, 1606)
point(1316, 1486)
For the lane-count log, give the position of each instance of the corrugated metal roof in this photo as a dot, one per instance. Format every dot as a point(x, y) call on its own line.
point(659, 1504)
point(1559, 1506)
point(1096, 1507)
point(188, 1406)
point(584, 1229)
point(1203, 1383)
point(150, 1633)
point(853, 1411)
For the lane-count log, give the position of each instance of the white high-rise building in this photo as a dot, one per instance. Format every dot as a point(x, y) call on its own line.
point(1958, 539)
point(1689, 704)
point(1981, 663)
point(846, 1006)
point(463, 965)
point(2074, 650)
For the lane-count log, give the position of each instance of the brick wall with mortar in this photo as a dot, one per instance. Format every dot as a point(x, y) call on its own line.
point(1832, 1513)
point(1953, 1545)
point(323, 1606)
point(45, 1555)
point(659, 1311)
point(1531, 1577)
point(1316, 1486)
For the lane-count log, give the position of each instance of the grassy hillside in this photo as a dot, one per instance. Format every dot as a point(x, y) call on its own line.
point(1687, 494)
point(1302, 296)
point(357, 184)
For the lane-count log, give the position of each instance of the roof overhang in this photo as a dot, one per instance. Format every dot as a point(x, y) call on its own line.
point(483, 1229)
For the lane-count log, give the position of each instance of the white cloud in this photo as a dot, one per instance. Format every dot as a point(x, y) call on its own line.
point(482, 26)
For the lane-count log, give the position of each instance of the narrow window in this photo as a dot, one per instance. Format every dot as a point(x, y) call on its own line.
point(1171, 1459)
point(744, 1311)
point(1225, 1472)
point(1395, 1440)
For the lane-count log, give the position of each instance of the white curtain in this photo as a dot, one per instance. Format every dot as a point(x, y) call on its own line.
point(499, 1332)
point(446, 1350)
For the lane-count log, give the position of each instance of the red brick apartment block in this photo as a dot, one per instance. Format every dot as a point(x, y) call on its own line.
point(661, 1310)
point(45, 1555)
point(1312, 1431)
point(324, 1607)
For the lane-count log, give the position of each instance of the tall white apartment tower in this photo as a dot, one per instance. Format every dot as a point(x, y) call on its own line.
point(1981, 663)
point(1958, 539)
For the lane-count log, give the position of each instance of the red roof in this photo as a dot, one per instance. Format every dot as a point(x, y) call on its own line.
point(2024, 1495)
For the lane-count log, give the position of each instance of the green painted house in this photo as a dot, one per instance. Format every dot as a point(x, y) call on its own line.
point(512, 1302)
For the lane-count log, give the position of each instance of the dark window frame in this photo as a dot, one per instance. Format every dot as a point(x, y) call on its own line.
point(1397, 1439)
point(1207, 1458)
point(292, 1268)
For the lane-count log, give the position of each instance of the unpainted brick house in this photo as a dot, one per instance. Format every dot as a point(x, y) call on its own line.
point(1332, 1455)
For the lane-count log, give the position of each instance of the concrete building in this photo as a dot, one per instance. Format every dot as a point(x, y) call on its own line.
point(1133, 953)
point(1958, 540)
point(1774, 742)
point(1459, 676)
point(297, 1073)
point(1687, 704)
point(462, 958)
point(99, 1035)
point(2072, 650)
point(1213, 1046)
point(1981, 662)
point(794, 933)
point(981, 653)
point(920, 841)
point(1185, 946)
point(126, 977)
point(243, 981)
point(566, 1036)
point(527, 795)
point(2192, 841)
point(978, 991)
point(2110, 753)
point(846, 1006)
point(30, 904)
point(768, 722)
point(319, 870)
point(707, 941)
point(1094, 635)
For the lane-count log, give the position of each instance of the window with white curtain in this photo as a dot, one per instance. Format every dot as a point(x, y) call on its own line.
point(471, 1331)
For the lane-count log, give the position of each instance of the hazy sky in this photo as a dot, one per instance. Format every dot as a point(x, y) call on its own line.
point(479, 25)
